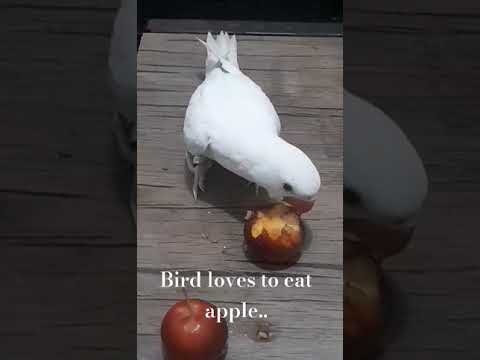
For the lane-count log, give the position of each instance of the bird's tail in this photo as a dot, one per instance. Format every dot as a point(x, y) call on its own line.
point(221, 52)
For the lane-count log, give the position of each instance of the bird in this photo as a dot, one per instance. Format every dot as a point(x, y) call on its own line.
point(385, 182)
point(231, 121)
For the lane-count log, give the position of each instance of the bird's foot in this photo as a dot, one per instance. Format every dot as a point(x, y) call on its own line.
point(199, 166)
point(199, 177)
point(201, 180)
point(189, 162)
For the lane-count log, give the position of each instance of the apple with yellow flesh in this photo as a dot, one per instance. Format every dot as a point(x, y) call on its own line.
point(274, 235)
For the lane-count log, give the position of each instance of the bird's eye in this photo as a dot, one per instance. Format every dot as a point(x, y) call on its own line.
point(287, 187)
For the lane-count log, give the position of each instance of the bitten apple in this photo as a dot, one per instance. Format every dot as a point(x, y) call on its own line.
point(274, 235)
point(187, 334)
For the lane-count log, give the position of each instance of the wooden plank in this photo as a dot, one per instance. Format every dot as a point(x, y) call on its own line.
point(62, 20)
point(303, 76)
point(82, 326)
point(53, 5)
point(418, 62)
point(66, 233)
point(295, 340)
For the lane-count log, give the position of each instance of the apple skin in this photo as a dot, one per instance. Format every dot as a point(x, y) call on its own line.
point(363, 316)
point(187, 334)
point(274, 235)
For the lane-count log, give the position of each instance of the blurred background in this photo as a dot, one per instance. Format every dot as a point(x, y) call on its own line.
point(267, 10)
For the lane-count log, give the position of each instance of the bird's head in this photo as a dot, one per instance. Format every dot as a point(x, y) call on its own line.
point(292, 176)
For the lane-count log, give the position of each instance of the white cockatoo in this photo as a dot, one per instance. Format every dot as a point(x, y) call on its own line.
point(230, 120)
point(385, 183)
point(380, 164)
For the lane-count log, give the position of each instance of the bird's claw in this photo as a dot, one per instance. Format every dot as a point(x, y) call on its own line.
point(199, 166)
point(199, 176)
point(201, 183)
point(189, 161)
point(196, 181)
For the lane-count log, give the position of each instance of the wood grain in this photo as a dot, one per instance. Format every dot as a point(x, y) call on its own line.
point(418, 61)
point(303, 77)
point(66, 236)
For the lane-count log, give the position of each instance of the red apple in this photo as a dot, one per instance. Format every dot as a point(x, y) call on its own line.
point(187, 334)
point(274, 235)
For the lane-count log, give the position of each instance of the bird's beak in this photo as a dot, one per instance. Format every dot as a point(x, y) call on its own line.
point(300, 205)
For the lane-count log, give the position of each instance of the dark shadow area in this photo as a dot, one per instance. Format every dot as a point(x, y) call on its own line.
point(263, 10)
point(67, 240)
point(396, 310)
point(304, 18)
point(228, 191)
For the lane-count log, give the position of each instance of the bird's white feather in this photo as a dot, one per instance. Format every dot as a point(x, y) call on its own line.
point(223, 48)
point(227, 103)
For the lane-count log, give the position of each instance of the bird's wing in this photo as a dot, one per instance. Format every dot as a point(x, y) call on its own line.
point(263, 109)
point(227, 106)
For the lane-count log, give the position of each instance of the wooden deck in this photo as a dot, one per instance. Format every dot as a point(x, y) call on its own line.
point(303, 77)
point(66, 235)
point(419, 63)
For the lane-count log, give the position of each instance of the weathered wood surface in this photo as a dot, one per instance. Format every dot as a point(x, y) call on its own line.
point(66, 236)
point(303, 77)
point(418, 61)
